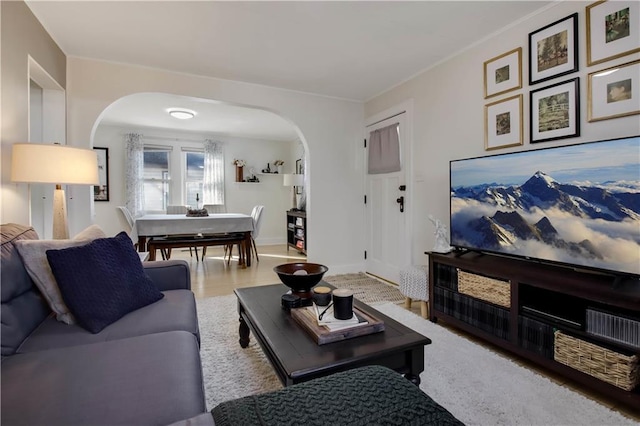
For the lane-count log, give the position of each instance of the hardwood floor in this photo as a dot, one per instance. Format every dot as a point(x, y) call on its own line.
point(212, 277)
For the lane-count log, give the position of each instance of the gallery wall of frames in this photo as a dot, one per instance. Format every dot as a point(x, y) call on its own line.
point(612, 31)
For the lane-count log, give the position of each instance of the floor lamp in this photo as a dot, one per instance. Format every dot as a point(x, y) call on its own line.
point(58, 164)
point(293, 180)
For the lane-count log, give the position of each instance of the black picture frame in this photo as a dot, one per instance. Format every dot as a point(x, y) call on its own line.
point(560, 118)
point(101, 191)
point(551, 39)
point(299, 171)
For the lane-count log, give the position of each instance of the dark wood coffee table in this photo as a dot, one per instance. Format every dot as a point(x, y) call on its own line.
point(297, 358)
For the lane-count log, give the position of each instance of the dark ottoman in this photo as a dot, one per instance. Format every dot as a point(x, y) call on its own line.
point(371, 395)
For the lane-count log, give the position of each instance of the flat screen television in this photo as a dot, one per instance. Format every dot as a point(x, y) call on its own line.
point(575, 205)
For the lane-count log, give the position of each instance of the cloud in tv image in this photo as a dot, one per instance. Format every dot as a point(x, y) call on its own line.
point(577, 204)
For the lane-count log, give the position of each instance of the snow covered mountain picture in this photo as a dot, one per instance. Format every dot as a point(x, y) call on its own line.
point(577, 204)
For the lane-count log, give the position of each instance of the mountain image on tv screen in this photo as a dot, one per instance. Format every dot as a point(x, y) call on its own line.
point(577, 204)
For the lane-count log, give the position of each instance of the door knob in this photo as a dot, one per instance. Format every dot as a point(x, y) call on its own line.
point(401, 202)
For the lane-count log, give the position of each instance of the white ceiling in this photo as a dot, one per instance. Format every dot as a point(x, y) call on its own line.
point(346, 49)
point(150, 110)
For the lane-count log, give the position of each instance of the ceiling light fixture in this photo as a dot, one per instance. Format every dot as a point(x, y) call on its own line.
point(181, 114)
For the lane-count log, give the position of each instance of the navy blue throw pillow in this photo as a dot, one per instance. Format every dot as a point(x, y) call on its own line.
point(102, 281)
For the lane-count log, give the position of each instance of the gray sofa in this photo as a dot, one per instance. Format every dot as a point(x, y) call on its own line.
point(143, 369)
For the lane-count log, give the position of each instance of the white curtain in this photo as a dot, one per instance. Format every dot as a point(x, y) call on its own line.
point(134, 174)
point(213, 185)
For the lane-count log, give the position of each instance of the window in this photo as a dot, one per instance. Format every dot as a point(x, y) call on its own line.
point(156, 179)
point(193, 178)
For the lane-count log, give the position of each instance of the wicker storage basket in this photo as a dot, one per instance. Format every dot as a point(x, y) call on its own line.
point(487, 289)
point(604, 364)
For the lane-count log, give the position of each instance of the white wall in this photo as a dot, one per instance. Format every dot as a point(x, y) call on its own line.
point(239, 197)
point(331, 129)
point(449, 114)
point(22, 37)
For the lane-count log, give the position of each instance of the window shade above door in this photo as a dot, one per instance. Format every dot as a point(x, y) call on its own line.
point(384, 150)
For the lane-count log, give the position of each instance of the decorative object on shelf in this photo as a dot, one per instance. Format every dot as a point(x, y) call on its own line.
point(503, 73)
point(442, 236)
point(553, 50)
point(555, 111)
point(101, 191)
point(32, 163)
point(613, 30)
point(252, 178)
point(267, 170)
point(614, 92)
point(239, 169)
point(503, 123)
point(294, 181)
point(279, 166)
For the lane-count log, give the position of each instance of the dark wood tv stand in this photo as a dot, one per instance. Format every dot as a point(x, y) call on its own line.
point(543, 298)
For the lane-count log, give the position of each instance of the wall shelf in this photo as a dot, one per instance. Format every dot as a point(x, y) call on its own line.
point(297, 230)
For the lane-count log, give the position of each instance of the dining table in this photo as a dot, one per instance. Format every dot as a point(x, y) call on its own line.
point(163, 225)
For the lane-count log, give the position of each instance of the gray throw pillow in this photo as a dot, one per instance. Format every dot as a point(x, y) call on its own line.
point(34, 257)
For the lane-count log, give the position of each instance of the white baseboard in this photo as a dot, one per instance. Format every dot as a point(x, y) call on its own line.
point(345, 269)
point(270, 241)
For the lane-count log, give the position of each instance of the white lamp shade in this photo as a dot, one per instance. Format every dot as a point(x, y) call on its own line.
point(59, 164)
point(293, 180)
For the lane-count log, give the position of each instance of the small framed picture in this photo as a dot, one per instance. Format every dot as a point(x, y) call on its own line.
point(613, 30)
point(614, 92)
point(553, 50)
point(555, 111)
point(503, 73)
point(299, 171)
point(503, 123)
point(101, 191)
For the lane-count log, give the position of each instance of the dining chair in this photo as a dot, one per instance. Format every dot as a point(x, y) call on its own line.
point(129, 222)
point(177, 209)
point(256, 215)
point(215, 208)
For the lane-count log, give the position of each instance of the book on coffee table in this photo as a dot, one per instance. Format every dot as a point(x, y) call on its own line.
point(331, 322)
point(361, 324)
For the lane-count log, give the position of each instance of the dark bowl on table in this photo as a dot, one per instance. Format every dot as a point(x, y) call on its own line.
point(300, 283)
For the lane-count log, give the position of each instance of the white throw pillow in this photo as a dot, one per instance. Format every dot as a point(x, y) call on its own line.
point(34, 257)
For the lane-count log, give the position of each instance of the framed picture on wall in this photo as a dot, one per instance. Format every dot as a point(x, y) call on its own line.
point(503, 73)
point(555, 111)
point(613, 30)
point(101, 191)
point(299, 171)
point(614, 92)
point(553, 50)
point(503, 123)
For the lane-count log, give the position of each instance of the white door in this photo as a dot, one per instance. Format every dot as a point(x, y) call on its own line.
point(388, 247)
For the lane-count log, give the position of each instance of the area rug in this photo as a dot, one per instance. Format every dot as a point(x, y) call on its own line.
point(476, 385)
point(367, 289)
